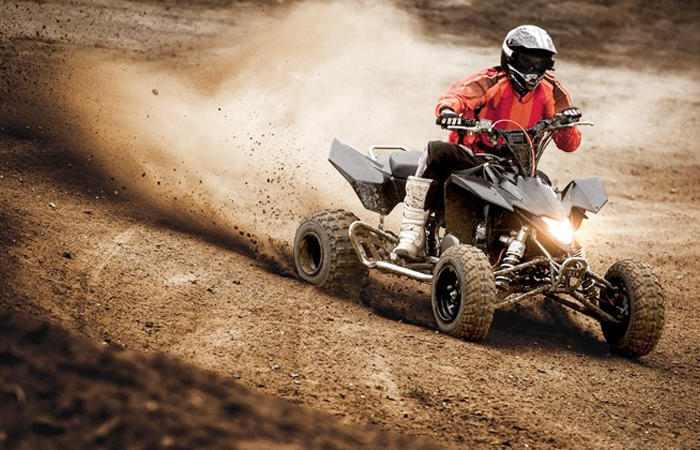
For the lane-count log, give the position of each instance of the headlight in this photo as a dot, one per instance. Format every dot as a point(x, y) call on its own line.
point(561, 231)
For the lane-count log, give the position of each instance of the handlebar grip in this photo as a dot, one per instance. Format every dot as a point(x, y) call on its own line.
point(463, 122)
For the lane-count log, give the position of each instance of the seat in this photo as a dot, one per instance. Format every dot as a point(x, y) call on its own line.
point(404, 164)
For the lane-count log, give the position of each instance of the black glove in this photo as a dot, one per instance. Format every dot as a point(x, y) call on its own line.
point(448, 118)
point(569, 115)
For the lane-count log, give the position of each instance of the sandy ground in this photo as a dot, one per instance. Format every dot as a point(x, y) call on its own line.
point(157, 156)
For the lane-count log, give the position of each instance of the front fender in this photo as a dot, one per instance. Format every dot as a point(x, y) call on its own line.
point(587, 194)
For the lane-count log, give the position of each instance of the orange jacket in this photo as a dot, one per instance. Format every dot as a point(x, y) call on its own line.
point(489, 94)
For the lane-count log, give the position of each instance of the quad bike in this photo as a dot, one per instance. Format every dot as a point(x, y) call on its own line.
point(500, 235)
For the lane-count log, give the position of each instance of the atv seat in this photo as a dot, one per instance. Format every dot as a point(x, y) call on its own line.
point(404, 164)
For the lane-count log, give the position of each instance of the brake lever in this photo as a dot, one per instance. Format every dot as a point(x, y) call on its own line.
point(552, 125)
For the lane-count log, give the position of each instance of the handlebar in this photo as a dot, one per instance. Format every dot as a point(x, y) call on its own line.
point(525, 145)
point(485, 126)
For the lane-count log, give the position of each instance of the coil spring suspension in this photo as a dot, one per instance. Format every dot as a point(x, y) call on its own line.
point(590, 290)
point(516, 250)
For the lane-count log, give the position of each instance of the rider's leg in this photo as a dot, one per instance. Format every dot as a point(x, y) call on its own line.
point(438, 160)
point(415, 214)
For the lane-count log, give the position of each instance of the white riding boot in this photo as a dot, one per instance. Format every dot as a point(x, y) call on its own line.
point(415, 214)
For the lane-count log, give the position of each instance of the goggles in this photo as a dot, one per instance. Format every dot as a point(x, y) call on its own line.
point(534, 63)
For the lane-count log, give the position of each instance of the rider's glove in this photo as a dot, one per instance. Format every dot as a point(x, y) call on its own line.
point(573, 114)
point(569, 115)
point(448, 118)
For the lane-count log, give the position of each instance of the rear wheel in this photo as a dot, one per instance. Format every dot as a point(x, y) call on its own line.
point(638, 298)
point(324, 255)
point(463, 293)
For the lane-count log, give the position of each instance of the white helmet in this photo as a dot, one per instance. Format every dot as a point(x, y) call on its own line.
point(526, 55)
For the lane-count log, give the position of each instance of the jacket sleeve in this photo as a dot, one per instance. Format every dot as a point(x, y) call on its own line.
point(465, 96)
point(568, 139)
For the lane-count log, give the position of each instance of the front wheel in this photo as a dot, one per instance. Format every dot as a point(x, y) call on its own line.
point(638, 298)
point(324, 255)
point(463, 293)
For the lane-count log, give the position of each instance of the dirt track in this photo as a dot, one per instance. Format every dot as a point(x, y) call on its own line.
point(147, 205)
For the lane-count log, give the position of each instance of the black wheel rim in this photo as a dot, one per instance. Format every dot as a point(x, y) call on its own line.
point(618, 305)
point(310, 254)
point(448, 296)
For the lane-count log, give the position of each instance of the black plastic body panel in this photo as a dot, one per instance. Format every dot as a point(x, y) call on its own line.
point(587, 194)
point(380, 189)
point(524, 193)
point(376, 187)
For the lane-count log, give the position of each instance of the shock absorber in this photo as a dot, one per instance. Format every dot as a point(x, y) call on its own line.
point(590, 290)
point(515, 251)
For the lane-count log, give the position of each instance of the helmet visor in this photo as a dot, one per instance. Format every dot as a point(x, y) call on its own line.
point(532, 63)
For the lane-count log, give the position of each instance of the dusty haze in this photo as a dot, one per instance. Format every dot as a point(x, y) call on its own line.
point(238, 139)
point(228, 138)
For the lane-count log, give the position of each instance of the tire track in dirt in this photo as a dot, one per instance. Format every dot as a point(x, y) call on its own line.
point(108, 250)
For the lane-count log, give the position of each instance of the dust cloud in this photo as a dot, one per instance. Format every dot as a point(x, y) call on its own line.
point(235, 135)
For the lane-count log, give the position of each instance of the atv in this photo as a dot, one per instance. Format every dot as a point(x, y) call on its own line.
point(500, 234)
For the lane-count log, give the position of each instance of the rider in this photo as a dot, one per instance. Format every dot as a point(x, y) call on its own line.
point(518, 93)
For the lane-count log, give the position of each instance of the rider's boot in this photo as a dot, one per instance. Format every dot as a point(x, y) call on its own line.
point(415, 214)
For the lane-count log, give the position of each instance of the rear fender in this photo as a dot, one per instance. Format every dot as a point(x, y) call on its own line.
point(374, 186)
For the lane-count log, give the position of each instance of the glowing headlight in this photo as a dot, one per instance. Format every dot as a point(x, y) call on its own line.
point(561, 231)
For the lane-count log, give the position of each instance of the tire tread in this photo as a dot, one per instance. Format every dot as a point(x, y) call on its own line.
point(480, 289)
point(646, 309)
point(346, 274)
